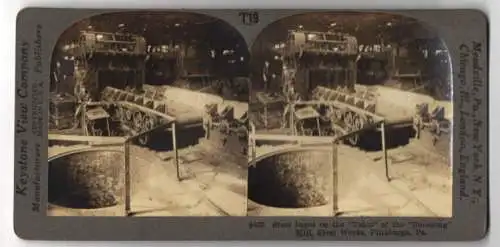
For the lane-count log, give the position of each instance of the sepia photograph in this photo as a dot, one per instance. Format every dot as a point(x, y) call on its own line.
point(251, 124)
point(350, 115)
point(149, 117)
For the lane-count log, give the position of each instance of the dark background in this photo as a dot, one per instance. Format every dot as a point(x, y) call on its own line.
point(368, 28)
point(202, 32)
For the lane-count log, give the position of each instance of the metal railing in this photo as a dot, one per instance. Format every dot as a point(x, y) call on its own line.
point(318, 140)
point(170, 125)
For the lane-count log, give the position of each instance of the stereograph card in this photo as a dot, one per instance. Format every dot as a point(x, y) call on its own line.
point(251, 124)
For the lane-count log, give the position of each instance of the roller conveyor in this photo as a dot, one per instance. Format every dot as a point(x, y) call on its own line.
point(367, 101)
point(184, 107)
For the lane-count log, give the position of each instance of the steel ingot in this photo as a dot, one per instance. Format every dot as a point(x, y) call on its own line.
point(293, 181)
point(90, 178)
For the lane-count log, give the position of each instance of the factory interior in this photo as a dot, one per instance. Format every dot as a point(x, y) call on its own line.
point(149, 117)
point(323, 114)
point(371, 90)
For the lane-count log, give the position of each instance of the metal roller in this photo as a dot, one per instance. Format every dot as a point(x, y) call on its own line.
point(149, 122)
point(349, 119)
point(128, 114)
point(120, 113)
point(358, 123)
point(139, 121)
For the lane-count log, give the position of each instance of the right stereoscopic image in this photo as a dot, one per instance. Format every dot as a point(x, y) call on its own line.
point(350, 115)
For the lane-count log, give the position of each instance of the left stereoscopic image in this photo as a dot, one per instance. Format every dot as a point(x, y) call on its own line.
point(148, 117)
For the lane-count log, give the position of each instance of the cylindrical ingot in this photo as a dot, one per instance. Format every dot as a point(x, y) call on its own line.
point(91, 178)
point(294, 181)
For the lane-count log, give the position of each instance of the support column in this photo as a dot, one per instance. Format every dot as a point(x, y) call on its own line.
point(83, 120)
point(127, 178)
point(335, 179)
point(384, 149)
point(176, 154)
